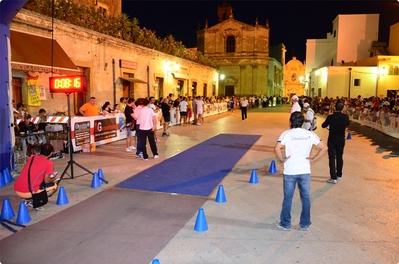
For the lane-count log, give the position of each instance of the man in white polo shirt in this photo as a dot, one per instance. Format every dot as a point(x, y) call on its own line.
point(244, 107)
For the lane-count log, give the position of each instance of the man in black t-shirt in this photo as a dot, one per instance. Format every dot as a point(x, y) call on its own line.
point(165, 107)
point(336, 123)
point(129, 110)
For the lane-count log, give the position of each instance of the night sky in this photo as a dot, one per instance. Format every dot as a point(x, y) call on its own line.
point(291, 22)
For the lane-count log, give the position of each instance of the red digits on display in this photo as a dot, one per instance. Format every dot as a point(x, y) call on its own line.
point(66, 84)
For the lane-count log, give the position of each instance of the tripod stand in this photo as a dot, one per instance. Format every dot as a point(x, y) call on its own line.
point(71, 162)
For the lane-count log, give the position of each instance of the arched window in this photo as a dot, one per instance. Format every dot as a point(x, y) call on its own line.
point(230, 44)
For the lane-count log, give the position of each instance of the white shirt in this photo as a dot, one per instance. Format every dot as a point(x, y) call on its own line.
point(200, 106)
point(183, 106)
point(146, 116)
point(309, 116)
point(244, 103)
point(295, 108)
point(136, 114)
point(298, 144)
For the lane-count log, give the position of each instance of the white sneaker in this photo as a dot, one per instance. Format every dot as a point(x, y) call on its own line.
point(156, 156)
point(132, 147)
point(29, 203)
point(128, 150)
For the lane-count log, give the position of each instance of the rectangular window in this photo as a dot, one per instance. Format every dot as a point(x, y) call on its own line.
point(103, 11)
point(393, 70)
point(230, 44)
point(356, 82)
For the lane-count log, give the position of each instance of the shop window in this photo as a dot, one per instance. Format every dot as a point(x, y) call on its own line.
point(230, 44)
point(393, 70)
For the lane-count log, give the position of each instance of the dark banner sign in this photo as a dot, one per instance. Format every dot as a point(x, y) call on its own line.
point(82, 133)
point(104, 129)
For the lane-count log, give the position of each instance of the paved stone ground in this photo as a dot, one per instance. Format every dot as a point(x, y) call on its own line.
point(354, 221)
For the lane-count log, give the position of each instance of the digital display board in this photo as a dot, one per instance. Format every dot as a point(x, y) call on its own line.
point(66, 84)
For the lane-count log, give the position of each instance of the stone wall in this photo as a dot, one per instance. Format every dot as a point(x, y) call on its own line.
point(99, 55)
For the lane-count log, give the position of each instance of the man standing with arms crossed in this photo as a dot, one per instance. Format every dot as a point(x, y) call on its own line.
point(336, 123)
point(298, 143)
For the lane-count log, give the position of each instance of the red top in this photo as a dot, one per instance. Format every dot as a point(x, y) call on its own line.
point(40, 167)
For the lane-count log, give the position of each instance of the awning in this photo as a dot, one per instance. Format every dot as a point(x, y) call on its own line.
point(180, 76)
point(133, 80)
point(33, 53)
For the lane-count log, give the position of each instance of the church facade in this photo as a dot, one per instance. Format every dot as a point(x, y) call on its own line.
point(294, 78)
point(241, 53)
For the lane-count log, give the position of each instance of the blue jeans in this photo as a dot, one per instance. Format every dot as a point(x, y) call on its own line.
point(290, 181)
point(139, 146)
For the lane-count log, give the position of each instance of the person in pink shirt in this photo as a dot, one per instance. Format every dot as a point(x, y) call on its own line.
point(148, 121)
point(136, 116)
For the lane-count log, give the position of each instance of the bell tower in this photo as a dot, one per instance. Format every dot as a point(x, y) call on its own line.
point(224, 11)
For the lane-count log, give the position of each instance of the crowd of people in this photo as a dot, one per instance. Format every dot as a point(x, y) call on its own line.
point(143, 114)
point(359, 107)
point(293, 147)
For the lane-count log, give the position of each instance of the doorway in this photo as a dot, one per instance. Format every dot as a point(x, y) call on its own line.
point(194, 89)
point(392, 93)
point(16, 90)
point(229, 90)
point(159, 86)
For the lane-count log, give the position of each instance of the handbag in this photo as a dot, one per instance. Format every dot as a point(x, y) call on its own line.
point(40, 198)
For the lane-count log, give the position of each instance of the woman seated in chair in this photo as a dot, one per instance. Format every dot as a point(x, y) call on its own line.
point(26, 130)
point(42, 176)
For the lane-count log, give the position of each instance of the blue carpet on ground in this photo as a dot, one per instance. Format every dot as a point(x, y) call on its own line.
point(196, 171)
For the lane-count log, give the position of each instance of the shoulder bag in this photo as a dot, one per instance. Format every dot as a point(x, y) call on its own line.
point(133, 125)
point(40, 198)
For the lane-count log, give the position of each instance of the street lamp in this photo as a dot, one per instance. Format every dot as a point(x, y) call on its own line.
point(317, 81)
point(148, 77)
point(222, 76)
point(350, 76)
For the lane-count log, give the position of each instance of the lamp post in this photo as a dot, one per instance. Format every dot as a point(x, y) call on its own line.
point(350, 76)
point(148, 80)
point(317, 81)
point(148, 77)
